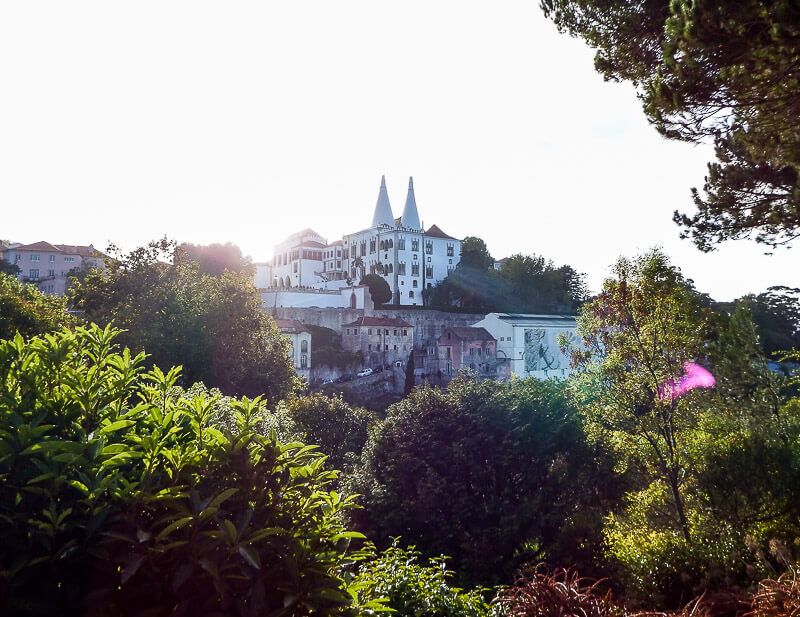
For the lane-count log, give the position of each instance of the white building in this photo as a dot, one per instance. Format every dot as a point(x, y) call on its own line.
point(300, 341)
point(48, 266)
point(530, 343)
point(409, 258)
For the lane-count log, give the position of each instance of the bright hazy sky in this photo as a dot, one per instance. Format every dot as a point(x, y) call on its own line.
point(247, 121)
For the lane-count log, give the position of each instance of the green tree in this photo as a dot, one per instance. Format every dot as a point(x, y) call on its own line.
point(26, 310)
point(411, 379)
point(710, 471)
point(122, 496)
point(524, 284)
point(214, 259)
point(378, 288)
point(724, 70)
point(213, 326)
point(776, 313)
point(339, 429)
point(475, 254)
point(490, 474)
point(8, 268)
point(637, 335)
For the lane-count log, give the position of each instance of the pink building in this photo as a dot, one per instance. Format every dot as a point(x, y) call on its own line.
point(467, 347)
point(48, 266)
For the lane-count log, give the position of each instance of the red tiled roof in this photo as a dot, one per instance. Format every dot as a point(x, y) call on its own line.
point(469, 333)
point(70, 249)
point(83, 251)
point(290, 326)
point(434, 231)
point(395, 322)
point(38, 246)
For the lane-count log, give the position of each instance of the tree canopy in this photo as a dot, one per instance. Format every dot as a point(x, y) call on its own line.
point(213, 326)
point(711, 470)
point(523, 284)
point(27, 311)
point(215, 258)
point(712, 69)
point(484, 472)
point(379, 289)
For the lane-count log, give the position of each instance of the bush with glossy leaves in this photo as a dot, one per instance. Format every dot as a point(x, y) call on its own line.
point(120, 495)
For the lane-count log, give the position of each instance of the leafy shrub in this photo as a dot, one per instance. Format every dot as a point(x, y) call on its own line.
point(26, 310)
point(120, 495)
point(492, 474)
point(339, 429)
point(416, 587)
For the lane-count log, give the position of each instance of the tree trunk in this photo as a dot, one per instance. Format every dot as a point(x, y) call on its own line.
point(676, 496)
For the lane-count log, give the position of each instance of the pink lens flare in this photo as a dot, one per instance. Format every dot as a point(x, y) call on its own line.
point(694, 376)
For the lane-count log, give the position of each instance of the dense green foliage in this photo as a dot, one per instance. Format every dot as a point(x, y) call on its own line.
point(213, 326)
point(8, 268)
point(339, 429)
point(490, 474)
point(714, 472)
point(416, 587)
point(524, 284)
point(712, 68)
point(25, 309)
point(120, 495)
point(776, 313)
point(215, 258)
point(378, 288)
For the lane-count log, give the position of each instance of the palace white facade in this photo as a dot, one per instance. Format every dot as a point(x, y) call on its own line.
point(409, 258)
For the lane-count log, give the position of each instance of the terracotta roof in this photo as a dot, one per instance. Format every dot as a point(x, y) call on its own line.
point(434, 231)
point(70, 249)
point(290, 326)
point(380, 321)
point(83, 251)
point(38, 246)
point(314, 244)
point(470, 333)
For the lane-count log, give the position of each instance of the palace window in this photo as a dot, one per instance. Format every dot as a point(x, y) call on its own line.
point(51, 259)
point(372, 245)
point(414, 282)
point(415, 270)
point(410, 294)
point(401, 244)
point(33, 273)
point(35, 257)
point(429, 272)
point(415, 245)
point(429, 248)
point(401, 269)
point(405, 332)
point(450, 250)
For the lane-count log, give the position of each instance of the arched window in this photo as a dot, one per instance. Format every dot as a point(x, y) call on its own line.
point(410, 293)
point(288, 281)
point(353, 300)
point(304, 346)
